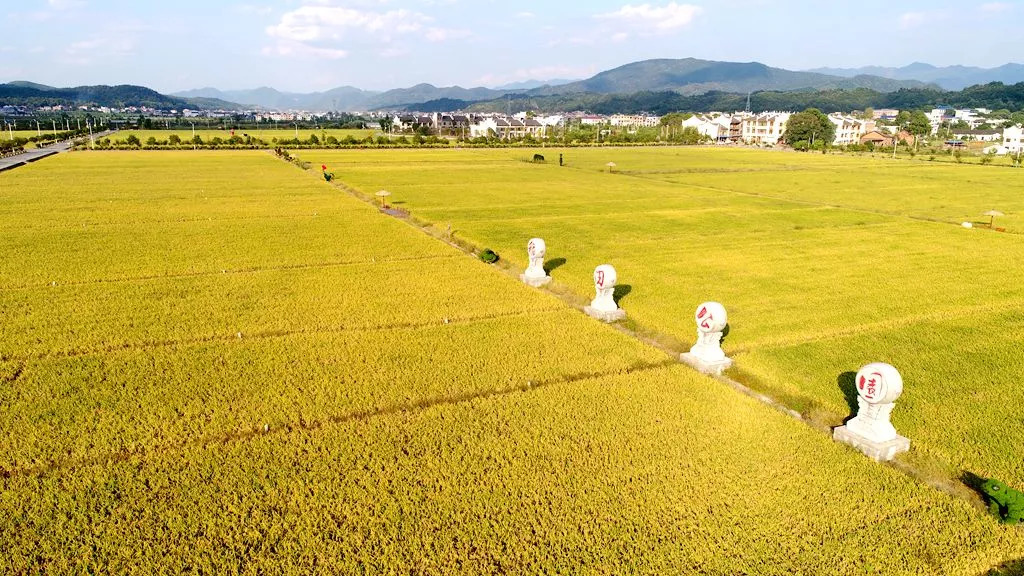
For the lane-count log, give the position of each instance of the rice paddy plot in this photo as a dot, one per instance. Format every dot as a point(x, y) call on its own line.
point(800, 248)
point(659, 471)
point(346, 394)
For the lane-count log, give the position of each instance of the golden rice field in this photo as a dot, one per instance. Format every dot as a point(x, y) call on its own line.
point(824, 263)
point(15, 134)
point(215, 362)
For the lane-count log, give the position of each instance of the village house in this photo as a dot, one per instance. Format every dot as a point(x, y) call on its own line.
point(1013, 139)
point(849, 129)
point(507, 127)
point(884, 138)
point(939, 115)
point(714, 127)
point(978, 135)
point(765, 129)
point(634, 120)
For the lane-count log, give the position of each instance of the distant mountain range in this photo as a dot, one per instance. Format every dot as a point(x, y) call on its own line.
point(21, 93)
point(693, 76)
point(530, 84)
point(345, 98)
point(685, 76)
point(946, 77)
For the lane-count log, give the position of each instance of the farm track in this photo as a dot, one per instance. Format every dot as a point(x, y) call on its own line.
point(250, 270)
point(270, 334)
point(354, 416)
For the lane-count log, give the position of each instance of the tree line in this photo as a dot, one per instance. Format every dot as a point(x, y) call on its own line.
point(994, 95)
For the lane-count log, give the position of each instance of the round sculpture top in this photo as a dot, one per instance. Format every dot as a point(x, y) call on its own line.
point(879, 383)
point(605, 277)
point(710, 317)
point(536, 248)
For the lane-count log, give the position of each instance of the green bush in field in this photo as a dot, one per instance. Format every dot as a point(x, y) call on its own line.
point(489, 256)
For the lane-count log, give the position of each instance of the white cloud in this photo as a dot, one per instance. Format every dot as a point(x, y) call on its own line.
point(620, 37)
point(394, 52)
point(298, 49)
point(445, 34)
point(574, 40)
point(65, 4)
point(325, 29)
point(257, 9)
point(525, 15)
point(324, 22)
point(911, 20)
point(660, 19)
point(99, 49)
point(996, 7)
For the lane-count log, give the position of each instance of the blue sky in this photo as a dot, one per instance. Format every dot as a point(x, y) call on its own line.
point(310, 45)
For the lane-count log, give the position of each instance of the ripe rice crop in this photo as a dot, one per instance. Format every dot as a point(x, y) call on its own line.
point(855, 259)
point(220, 381)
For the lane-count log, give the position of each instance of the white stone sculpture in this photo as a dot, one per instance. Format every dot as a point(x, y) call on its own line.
point(707, 355)
point(535, 275)
point(878, 386)
point(603, 306)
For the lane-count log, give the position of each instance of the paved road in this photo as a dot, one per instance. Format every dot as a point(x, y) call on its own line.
point(38, 153)
point(32, 155)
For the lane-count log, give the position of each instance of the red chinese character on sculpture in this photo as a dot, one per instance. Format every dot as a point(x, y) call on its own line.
point(870, 385)
point(707, 355)
point(704, 318)
point(603, 306)
point(535, 275)
point(878, 386)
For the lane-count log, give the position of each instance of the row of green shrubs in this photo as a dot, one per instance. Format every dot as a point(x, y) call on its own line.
point(40, 140)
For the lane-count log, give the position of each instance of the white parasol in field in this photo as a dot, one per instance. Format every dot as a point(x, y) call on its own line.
point(992, 216)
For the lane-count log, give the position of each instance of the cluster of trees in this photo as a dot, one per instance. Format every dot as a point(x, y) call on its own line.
point(174, 141)
point(995, 96)
point(812, 129)
point(112, 96)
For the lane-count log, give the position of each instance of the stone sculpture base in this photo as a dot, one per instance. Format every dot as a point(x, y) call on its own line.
point(534, 281)
point(612, 316)
point(715, 367)
point(877, 451)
